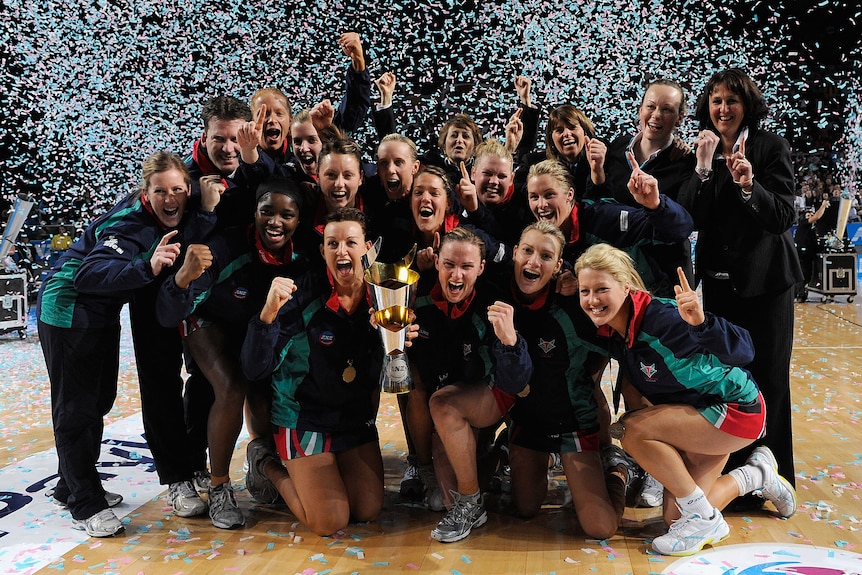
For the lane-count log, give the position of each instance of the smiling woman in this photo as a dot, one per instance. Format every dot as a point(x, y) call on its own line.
point(203, 297)
point(122, 254)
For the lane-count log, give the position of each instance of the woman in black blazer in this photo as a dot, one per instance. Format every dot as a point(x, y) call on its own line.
point(741, 198)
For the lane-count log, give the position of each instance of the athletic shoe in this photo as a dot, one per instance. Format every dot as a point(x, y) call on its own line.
point(652, 492)
point(690, 533)
point(102, 524)
point(224, 511)
point(614, 456)
point(775, 488)
point(555, 465)
point(433, 493)
point(257, 454)
point(185, 499)
point(202, 480)
point(411, 488)
point(112, 499)
point(468, 511)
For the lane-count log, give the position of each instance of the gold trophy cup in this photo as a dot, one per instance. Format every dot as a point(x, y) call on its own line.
point(393, 291)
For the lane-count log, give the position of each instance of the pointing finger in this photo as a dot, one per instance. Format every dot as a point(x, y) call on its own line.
point(167, 237)
point(261, 117)
point(683, 281)
point(742, 147)
point(464, 173)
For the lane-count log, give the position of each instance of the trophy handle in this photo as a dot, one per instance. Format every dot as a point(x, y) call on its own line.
point(407, 260)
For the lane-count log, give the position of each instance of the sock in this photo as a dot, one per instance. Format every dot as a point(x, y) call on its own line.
point(218, 480)
point(748, 478)
point(474, 498)
point(696, 502)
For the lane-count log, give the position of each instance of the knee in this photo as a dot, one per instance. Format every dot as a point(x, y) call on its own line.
point(325, 524)
point(441, 408)
point(600, 527)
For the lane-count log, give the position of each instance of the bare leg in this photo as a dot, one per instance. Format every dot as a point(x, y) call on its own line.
point(456, 409)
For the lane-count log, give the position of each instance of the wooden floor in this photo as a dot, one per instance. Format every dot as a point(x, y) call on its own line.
point(827, 394)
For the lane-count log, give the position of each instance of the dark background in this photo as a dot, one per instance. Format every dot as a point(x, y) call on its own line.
point(89, 89)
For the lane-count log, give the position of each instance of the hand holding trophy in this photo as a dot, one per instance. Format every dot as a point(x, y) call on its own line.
point(393, 291)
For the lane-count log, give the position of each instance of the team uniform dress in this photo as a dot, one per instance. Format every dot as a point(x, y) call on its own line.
point(669, 361)
point(457, 344)
point(325, 365)
point(560, 413)
point(79, 328)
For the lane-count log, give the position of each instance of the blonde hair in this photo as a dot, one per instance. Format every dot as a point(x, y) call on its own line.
point(614, 261)
point(557, 170)
point(414, 152)
point(493, 148)
point(547, 229)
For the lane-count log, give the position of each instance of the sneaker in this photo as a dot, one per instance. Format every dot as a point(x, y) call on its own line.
point(775, 488)
point(433, 493)
point(257, 454)
point(202, 480)
point(555, 465)
point(614, 456)
point(468, 511)
point(652, 492)
point(102, 524)
point(412, 488)
point(690, 533)
point(112, 499)
point(185, 499)
point(224, 511)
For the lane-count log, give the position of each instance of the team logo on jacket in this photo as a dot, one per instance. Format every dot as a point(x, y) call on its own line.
point(468, 349)
point(111, 242)
point(649, 371)
point(547, 346)
point(240, 293)
point(327, 338)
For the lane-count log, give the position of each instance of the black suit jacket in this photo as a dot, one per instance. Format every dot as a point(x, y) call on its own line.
point(749, 240)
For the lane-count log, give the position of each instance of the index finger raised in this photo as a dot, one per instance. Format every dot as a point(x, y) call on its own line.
point(167, 237)
point(261, 117)
point(464, 173)
point(683, 281)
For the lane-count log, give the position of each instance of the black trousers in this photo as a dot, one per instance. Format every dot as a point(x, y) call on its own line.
point(82, 366)
point(769, 320)
point(159, 356)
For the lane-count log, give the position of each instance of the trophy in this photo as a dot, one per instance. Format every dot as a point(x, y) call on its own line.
point(393, 290)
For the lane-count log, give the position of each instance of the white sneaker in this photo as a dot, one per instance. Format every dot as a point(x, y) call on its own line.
point(467, 512)
point(224, 511)
point(185, 499)
point(775, 488)
point(102, 524)
point(690, 533)
point(652, 492)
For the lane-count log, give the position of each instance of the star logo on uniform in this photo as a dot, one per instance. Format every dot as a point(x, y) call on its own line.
point(547, 346)
point(649, 371)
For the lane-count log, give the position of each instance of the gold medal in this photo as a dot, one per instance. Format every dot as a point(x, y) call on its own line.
point(349, 373)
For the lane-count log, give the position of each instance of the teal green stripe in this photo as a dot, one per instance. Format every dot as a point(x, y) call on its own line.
point(60, 296)
point(226, 273)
